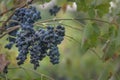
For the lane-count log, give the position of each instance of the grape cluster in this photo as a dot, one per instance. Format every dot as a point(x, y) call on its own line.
point(12, 34)
point(5, 70)
point(23, 41)
point(38, 43)
point(54, 55)
point(54, 10)
point(24, 17)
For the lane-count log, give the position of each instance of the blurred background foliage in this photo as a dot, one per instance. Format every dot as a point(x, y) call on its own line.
point(90, 50)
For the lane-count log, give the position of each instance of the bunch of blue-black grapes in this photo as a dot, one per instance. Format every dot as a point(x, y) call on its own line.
point(37, 43)
point(24, 17)
point(54, 10)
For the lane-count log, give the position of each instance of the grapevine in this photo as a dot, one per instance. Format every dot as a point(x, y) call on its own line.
point(37, 43)
point(32, 33)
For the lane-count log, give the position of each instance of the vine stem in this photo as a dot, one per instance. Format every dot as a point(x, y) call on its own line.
point(105, 48)
point(11, 9)
point(38, 73)
point(27, 73)
point(1, 14)
point(71, 27)
point(6, 77)
point(72, 38)
point(45, 24)
point(10, 30)
point(59, 19)
point(93, 50)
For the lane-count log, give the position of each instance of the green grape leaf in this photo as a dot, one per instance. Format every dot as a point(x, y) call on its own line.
point(113, 31)
point(90, 37)
point(89, 6)
point(91, 12)
point(111, 48)
point(102, 9)
point(109, 51)
point(81, 5)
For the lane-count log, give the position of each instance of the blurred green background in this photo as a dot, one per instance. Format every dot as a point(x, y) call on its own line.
point(82, 56)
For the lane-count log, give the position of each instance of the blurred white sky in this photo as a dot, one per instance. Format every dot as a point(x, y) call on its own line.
point(73, 7)
point(53, 2)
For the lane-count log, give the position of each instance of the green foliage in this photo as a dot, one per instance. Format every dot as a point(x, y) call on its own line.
point(90, 6)
point(90, 37)
point(118, 38)
point(102, 9)
point(61, 2)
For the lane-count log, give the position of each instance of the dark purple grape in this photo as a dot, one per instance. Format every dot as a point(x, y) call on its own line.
point(54, 10)
point(5, 70)
point(9, 46)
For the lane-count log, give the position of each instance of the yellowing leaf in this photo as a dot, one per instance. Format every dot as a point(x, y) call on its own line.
point(3, 62)
point(64, 7)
